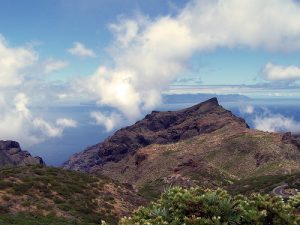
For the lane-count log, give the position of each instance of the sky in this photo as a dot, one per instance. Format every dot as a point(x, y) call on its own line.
point(124, 54)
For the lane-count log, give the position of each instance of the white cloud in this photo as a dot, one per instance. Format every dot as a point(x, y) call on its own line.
point(21, 102)
point(109, 122)
point(20, 89)
point(246, 108)
point(51, 130)
point(47, 129)
point(276, 123)
point(52, 65)
point(15, 120)
point(114, 88)
point(273, 72)
point(13, 62)
point(148, 54)
point(18, 123)
point(80, 50)
point(64, 122)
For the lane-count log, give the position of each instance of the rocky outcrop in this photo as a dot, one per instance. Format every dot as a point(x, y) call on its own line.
point(290, 138)
point(12, 155)
point(156, 128)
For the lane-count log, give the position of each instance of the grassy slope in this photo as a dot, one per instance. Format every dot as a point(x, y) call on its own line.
point(31, 219)
point(264, 184)
point(57, 196)
point(219, 159)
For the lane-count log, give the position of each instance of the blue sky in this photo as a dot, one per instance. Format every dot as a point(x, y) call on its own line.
point(53, 26)
point(125, 54)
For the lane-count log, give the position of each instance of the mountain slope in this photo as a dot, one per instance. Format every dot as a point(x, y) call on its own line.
point(56, 195)
point(203, 145)
point(11, 154)
point(155, 128)
point(211, 160)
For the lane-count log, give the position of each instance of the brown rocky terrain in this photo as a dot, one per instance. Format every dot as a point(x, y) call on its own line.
point(202, 145)
point(11, 154)
point(217, 159)
point(156, 128)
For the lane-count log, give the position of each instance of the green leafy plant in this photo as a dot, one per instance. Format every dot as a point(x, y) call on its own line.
point(215, 207)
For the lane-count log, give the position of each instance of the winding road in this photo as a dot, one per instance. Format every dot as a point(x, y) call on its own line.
point(279, 191)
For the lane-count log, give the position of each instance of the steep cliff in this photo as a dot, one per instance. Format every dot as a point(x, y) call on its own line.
point(11, 154)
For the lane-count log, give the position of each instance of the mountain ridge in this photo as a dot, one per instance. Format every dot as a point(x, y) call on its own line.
point(203, 145)
point(156, 128)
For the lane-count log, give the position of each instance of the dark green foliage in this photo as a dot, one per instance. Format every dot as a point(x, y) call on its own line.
point(263, 184)
point(68, 191)
point(28, 219)
point(215, 207)
point(5, 184)
point(151, 191)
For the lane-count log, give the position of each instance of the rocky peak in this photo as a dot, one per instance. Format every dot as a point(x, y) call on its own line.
point(9, 145)
point(210, 103)
point(156, 128)
point(11, 154)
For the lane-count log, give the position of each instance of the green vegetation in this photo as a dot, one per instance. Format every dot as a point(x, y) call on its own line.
point(217, 177)
point(263, 184)
point(46, 193)
point(215, 207)
point(37, 195)
point(152, 190)
point(27, 219)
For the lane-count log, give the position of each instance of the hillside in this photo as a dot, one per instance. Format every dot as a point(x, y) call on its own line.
point(156, 128)
point(45, 195)
point(211, 160)
point(203, 145)
point(11, 154)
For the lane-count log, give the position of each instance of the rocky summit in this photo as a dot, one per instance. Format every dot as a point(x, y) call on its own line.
point(156, 128)
point(11, 154)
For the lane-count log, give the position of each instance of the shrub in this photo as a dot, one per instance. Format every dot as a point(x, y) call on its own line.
point(215, 207)
point(5, 184)
point(22, 188)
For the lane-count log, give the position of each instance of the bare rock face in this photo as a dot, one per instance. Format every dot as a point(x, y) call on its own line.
point(156, 128)
point(12, 155)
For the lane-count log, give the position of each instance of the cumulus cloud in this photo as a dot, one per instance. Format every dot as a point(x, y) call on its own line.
point(51, 130)
point(108, 121)
point(18, 123)
point(276, 123)
point(14, 119)
point(13, 62)
point(274, 72)
point(64, 122)
point(52, 65)
point(148, 54)
point(80, 50)
point(18, 89)
point(21, 102)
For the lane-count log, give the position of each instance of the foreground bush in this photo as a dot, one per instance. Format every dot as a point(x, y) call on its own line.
point(214, 207)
